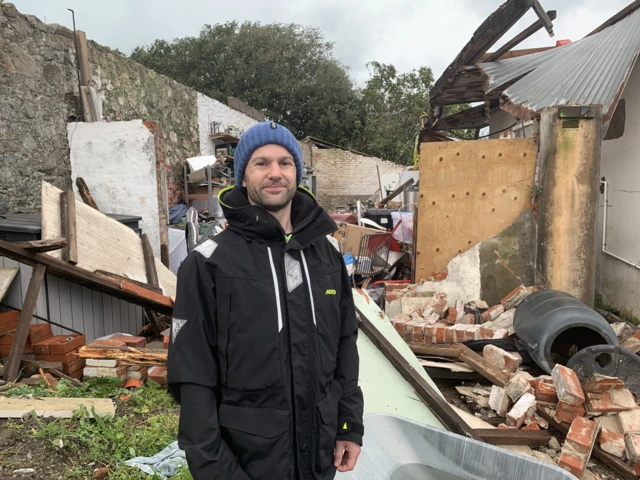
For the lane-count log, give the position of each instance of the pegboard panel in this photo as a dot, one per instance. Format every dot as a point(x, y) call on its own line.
point(469, 191)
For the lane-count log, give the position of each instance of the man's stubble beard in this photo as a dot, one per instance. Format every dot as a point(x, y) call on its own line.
point(263, 200)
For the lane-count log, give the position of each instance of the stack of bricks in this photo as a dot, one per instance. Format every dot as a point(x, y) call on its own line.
point(432, 320)
point(62, 349)
point(8, 325)
point(101, 367)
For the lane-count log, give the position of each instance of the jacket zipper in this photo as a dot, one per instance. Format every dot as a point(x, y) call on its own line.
point(277, 289)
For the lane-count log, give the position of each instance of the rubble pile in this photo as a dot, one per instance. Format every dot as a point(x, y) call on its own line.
point(429, 318)
point(108, 367)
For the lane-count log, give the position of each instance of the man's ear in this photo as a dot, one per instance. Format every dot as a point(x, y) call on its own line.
point(244, 183)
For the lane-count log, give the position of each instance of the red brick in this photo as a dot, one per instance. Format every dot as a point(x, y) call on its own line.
point(7, 318)
point(582, 435)
point(158, 375)
point(106, 344)
point(501, 359)
point(67, 344)
point(568, 413)
point(636, 468)
point(74, 366)
point(567, 385)
point(428, 335)
point(130, 340)
point(493, 313)
point(8, 327)
point(5, 350)
point(418, 334)
point(165, 341)
point(468, 319)
point(515, 297)
point(573, 465)
point(486, 333)
point(65, 359)
point(546, 392)
point(439, 276)
point(601, 383)
point(524, 407)
point(440, 307)
point(440, 333)
point(452, 315)
point(42, 347)
point(532, 426)
point(450, 335)
point(37, 333)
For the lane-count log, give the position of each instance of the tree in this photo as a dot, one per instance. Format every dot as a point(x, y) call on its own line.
point(392, 105)
point(286, 71)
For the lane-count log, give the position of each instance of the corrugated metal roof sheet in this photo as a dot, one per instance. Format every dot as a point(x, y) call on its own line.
point(593, 70)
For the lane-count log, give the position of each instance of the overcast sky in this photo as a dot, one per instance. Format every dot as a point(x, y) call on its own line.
point(405, 33)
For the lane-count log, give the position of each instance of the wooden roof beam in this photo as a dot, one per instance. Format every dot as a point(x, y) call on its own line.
point(521, 37)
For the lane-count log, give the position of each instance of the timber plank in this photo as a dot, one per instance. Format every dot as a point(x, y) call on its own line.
point(497, 436)
point(68, 226)
point(103, 243)
point(12, 366)
point(41, 246)
point(11, 407)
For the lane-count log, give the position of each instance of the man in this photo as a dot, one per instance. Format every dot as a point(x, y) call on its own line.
point(263, 356)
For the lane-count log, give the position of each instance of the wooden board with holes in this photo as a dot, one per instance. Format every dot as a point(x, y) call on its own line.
point(469, 191)
point(11, 407)
point(103, 243)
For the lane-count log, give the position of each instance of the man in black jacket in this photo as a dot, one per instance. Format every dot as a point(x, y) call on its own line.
point(263, 355)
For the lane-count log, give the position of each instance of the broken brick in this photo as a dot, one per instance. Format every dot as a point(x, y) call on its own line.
point(582, 435)
point(632, 442)
point(617, 400)
point(546, 392)
point(452, 316)
point(469, 319)
point(632, 343)
point(460, 309)
point(440, 308)
point(532, 426)
point(630, 421)
point(158, 375)
point(573, 464)
point(567, 385)
point(518, 385)
point(499, 400)
point(523, 408)
point(502, 359)
point(568, 413)
point(622, 330)
point(516, 296)
point(492, 313)
point(613, 443)
point(601, 383)
point(500, 333)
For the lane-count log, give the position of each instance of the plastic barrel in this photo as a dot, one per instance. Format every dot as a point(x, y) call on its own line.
point(555, 325)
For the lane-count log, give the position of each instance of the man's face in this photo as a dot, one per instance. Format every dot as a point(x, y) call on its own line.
point(270, 177)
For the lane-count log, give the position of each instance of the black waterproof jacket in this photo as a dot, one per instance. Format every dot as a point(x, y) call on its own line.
point(263, 355)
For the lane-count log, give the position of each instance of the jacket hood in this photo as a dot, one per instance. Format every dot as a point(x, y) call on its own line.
point(309, 220)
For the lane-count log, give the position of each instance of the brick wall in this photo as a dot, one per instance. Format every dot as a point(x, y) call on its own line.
point(343, 176)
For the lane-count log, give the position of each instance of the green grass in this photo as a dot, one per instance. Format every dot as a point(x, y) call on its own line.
point(144, 424)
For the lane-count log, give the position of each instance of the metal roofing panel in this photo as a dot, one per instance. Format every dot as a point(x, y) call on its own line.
point(588, 71)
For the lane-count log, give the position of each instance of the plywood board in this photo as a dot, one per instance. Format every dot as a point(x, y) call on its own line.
point(469, 191)
point(6, 277)
point(103, 243)
point(11, 407)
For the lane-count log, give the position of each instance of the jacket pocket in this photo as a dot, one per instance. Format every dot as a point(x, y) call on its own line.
point(258, 438)
point(327, 427)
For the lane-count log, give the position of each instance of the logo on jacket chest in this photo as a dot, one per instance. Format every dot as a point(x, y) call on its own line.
point(330, 291)
point(294, 272)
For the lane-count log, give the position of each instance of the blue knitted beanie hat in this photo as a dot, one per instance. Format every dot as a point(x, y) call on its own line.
point(262, 134)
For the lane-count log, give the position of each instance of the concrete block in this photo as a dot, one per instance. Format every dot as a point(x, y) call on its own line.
point(601, 383)
point(567, 385)
point(499, 400)
point(518, 385)
point(94, 362)
point(502, 359)
point(568, 413)
point(523, 408)
point(582, 435)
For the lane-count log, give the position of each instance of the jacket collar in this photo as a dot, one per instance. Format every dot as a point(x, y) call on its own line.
point(309, 220)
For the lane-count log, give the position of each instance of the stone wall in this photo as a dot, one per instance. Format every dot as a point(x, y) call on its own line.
point(38, 97)
point(344, 176)
point(37, 85)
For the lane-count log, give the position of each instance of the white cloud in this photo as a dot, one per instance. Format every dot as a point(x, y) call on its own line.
point(406, 33)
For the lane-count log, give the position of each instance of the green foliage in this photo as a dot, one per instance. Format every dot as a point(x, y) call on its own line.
point(285, 70)
point(143, 425)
